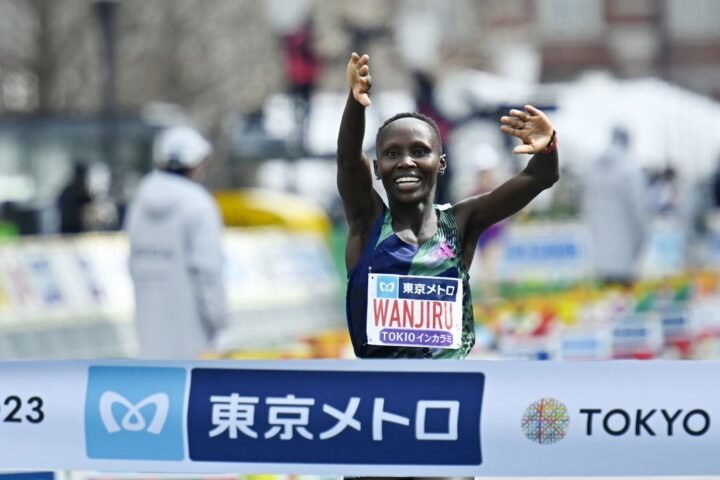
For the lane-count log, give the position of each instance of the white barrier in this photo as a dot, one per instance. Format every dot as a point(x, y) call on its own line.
point(400, 418)
point(70, 297)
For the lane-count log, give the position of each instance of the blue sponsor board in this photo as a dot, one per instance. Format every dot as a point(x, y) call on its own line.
point(28, 476)
point(553, 250)
point(135, 413)
point(327, 417)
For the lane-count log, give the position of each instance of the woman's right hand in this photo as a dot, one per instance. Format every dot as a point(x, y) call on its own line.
point(359, 79)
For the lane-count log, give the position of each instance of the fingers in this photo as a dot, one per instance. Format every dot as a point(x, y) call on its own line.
point(511, 131)
point(358, 77)
point(529, 112)
point(533, 111)
point(359, 65)
point(361, 92)
point(521, 149)
point(540, 122)
point(363, 99)
point(364, 82)
point(520, 115)
point(512, 122)
point(526, 125)
point(359, 60)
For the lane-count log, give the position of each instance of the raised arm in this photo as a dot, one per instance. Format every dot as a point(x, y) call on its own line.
point(354, 177)
point(475, 214)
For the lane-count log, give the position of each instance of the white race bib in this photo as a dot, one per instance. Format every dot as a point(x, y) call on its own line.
point(414, 311)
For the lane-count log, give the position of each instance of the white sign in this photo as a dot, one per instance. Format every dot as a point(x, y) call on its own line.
point(471, 418)
point(414, 311)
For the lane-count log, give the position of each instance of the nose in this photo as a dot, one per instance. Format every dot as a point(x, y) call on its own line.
point(407, 161)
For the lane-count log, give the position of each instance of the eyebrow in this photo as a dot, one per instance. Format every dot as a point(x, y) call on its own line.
point(414, 143)
point(421, 143)
point(389, 146)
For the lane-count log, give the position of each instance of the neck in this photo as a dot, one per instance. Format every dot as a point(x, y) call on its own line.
point(415, 222)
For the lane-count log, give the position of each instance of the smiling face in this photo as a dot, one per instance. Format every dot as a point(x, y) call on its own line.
point(409, 160)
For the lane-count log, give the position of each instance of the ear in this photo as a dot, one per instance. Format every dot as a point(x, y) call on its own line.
point(375, 169)
point(443, 164)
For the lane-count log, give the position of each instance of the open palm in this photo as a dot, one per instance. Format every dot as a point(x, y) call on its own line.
point(531, 126)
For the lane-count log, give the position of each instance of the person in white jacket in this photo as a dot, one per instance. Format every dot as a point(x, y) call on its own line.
point(176, 260)
point(615, 207)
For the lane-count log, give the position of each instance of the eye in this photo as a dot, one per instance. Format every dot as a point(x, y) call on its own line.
point(420, 152)
point(392, 154)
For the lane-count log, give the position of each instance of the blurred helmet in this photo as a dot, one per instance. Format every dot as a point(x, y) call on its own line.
point(180, 148)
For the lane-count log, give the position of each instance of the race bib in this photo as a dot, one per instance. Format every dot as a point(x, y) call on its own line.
point(413, 311)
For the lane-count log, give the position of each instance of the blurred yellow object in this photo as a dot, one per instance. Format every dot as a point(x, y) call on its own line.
point(254, 207)
point(294, 351)
point(568, 311)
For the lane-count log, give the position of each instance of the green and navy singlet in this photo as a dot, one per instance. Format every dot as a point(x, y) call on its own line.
point(401, 297)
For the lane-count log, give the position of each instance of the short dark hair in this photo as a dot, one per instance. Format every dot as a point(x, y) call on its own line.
point(416, 115)
point(80, 168)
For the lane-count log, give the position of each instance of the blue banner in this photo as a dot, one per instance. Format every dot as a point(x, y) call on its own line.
point(328, 417)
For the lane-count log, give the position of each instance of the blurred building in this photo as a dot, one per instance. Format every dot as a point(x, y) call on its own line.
point(674, 39)
point(221, 61)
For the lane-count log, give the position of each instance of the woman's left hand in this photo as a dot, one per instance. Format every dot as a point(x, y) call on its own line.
point(532, 126)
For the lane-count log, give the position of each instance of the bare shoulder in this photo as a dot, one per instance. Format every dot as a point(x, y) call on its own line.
point(468, 210)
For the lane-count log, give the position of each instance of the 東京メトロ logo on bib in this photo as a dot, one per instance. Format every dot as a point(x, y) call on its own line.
point(135, 413)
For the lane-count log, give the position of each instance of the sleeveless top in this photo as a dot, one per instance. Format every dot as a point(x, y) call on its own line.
point(386, 253)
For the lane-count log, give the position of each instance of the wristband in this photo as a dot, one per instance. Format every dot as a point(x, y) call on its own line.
point(552, 144)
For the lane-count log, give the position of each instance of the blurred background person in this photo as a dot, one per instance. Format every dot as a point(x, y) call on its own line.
point(706, 218)
point(176, 260)
point(301, 61)
point(427, 105)
point(8, 229)
point(302, 69)
point(101, 213)
point(664, 192)
point(615, 208)
point(715, 186)
point(73, 200)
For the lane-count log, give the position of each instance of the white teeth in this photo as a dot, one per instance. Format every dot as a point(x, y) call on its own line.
point(407, 180)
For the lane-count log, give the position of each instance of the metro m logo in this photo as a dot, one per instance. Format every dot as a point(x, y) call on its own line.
point(386, 285)
point(135, 413)
point(133, 420)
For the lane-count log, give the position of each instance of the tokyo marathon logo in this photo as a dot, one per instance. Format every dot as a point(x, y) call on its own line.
point(546, 421)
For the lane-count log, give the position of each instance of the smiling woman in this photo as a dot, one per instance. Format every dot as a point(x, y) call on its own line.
point(408, 294)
